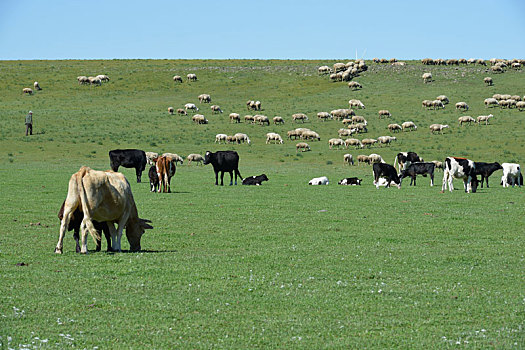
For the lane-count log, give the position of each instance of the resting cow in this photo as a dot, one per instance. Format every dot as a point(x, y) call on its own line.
point(351, 181)
point(104, 196)
point(418, 169)
point(223, 161)
point(485, 170)
point(255, 180)
point(128, 158)
point(388, 172)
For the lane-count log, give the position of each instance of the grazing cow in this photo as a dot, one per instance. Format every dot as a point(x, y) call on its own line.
point(485, 170)
point(511, 175)
point(459, 168)
point(153, 179)
point(165, 167)
point(418, 169)
point(128, 158)
point(323, 180)
point(103, 196)
point(76, 221)
point(351, 181)
point(404, 159)
point(255, 180)
point(388, 172)
point(223, 161)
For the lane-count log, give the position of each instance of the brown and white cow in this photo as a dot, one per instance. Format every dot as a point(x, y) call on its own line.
point(104, 196)
point(165, 170)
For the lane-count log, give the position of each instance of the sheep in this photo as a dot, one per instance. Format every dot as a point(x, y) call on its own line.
point(216, 109)
point(230, 139)
point(82, 80)
point(174, 157)
point(194, 157)
point(242, 138)
point(427, 77)
point(300, 131)
point(278, 120)
point(360, 127)
point(150, 156)
point(348, 159)
point(28, 91)
point(95, 81)
point(359, 119)
point(375, 158)
point(516, 65)
point(443, 99)
point(427, 61)
point(335, 142)
point(426, 104)
point(357, 104)
point(104, 78)
point(177, 78)
point(346, 132)
point(191, 106)
point(471, 61)
point(293, 133)
point(409, 125)
point(253, 105)
point(506, 97)
point(466, 119)
point(220, 137)
point(192, 77)
point(262, 119)
point(386, 140)
point(354, 85)
point(438, 104)
point(481, 62)
point(349, 75)
point(299, 116)
point(199, 119)
point(324, 70)
point(490, 102)
point(384, 113)
point(323, 116)
point(353, 142)
point(204, 98)
point(488, 81)
point(394, 127)
point(496, 69)
point(462, 105)
point(171, 110)
point(347, 121)
point(181, 111)
point(520, 105)
point(310, 135)
point(235, 117)
point(303, 146)
point(516, 98)
point(338, 67)
point(340, 114)
point(438, 164)
point(363, 159)
point(484, 118)
point(368, 142)
point(399, 64)
point(504, 103)
point(248, 119)
point(438, 128)
point(37, 86)
point(271, 136)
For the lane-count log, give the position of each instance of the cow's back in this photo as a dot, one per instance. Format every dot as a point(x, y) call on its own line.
point(128, 158)
point(227, 160)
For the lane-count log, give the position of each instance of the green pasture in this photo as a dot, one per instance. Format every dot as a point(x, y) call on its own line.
point(284, 265)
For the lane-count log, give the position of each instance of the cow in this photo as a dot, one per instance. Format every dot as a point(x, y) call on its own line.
point(104, 196)
point(153, 179)
point(485, 170)
point(323, 180)
point(165, 168)
point(74, 224)
point(418, 169)
point(405, 158)
point(459, 168)
point(511, 175)
point(223, 161)
point(128, 158)
point(351, 181)
point(388, 172)
point(255, 180)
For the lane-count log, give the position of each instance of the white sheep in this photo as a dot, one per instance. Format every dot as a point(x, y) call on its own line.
point(36, 86)
point(103, 77)
point(375, 158)
point(278, 120)
point(82, 80)
point(335, 142)
point(235, 117)
point(204, 98)
point(443, 99)
point(462, 105)
point(386, 140)
point(438, 128)
point(484, 118)
point(220, 137)
point(348, 159)
point(302, 146)
point(242, 138)
point(466, 119)
point(384, 113)
point(271, 136)
point(488, 81)
point(324, 116)
point(323, 70)
point(394, 127)
point(28, 91)
point(427, 77)
point(299, 116)
point(194, 157)
point(356, 103)
point(177, 78)
point(150, 156)
point(368, 142)
point(181, 111)
point(353, 142)
point(171, 110)
point(199, 119)
point(192, 77)
point(409, 125)
point(215, 109)
point(520, 105)
point(354, 85)
point(191, 106)
point(174, 157)
point(491, 102)
point(438, 104)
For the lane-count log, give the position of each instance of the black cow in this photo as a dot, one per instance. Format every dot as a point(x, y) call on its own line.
point(485, 170)
point(255, 180)
point(418, 169)
point(76, 221)
point(223, 161)
point(153, 178)
point(403, 158)
point(128, 158)
point(388, 172)
point(353, 181)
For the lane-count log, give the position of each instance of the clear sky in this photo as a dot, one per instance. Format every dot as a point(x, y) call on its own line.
point(323, 29)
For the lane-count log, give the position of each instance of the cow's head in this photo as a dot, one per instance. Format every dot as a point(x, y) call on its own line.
point(207, 157)
point(474, 184)
point(134, 231)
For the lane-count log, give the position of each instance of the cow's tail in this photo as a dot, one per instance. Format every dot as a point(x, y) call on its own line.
point(85, 208)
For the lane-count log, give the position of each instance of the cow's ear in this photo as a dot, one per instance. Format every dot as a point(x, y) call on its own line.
point(145, 225)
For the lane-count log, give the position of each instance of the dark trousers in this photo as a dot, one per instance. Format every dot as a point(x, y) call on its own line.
point(29, 128)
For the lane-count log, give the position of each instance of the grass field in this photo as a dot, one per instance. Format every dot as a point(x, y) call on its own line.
point(284, 265)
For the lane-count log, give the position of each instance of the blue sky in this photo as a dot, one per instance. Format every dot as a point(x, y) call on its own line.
point(91, 29)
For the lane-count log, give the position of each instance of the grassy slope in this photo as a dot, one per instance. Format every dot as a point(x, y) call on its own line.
point(281, 265)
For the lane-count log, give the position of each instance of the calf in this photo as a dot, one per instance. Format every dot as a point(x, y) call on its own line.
point(388, 172)
point(153, 179)
point(323, 180)
point(223, 161)
point(165, 167)
point(350, 181)
point(418, 169)
point(511, 175)
point(128, 158)
point(255, 180)
point(459, 168)
point(405, 158)
point(485, 170)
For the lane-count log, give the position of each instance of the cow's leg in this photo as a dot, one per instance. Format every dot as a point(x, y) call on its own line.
point(414, 178)
point(138, 171)
point(63, 228)
point(231, 178)
point(121, 224)
point(98, 244)
point(216, 178)
point(112, 241)
point(222, 178)
point(432, 179)
point(83, 236)
point(107, 233)
point(76, 236)
point(168, 180)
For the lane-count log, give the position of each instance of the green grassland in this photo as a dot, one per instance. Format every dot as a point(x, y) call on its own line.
point(284, 265)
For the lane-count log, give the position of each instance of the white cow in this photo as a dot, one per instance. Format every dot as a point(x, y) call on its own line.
point(323, 180)
point(512, 174)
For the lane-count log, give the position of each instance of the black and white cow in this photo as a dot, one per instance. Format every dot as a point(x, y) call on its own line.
point(404, 159)
point(128, 158)
point(388, 172)
point(485, 170)
point(459, 168)
point(418, 169)
point(223, 161)
point(351, 181)
point(255, 180)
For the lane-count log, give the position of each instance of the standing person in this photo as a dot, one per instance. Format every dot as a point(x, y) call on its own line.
point(29, 123)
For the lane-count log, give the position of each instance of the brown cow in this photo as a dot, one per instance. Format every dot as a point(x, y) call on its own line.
point(165, 170)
